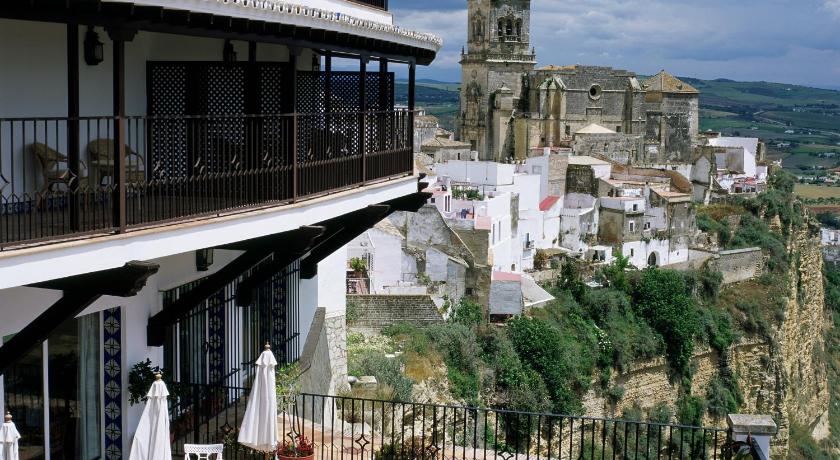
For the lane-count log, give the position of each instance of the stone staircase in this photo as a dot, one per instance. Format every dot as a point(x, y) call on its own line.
point(374, 312)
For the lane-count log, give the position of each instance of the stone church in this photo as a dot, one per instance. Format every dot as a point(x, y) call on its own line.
point(510, 108)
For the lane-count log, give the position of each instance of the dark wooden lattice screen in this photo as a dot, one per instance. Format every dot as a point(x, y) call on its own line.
point(198, 108)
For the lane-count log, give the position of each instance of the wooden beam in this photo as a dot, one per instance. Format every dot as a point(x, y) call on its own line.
point(68, 306)
point(354, 225)
point(156, 328)
point(79, 293)
point(126, 281)
point(282, 259)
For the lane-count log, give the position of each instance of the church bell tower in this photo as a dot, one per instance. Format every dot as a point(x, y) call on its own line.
point(497, 55)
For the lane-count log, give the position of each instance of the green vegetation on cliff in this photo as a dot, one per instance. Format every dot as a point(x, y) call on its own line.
point(550, 358)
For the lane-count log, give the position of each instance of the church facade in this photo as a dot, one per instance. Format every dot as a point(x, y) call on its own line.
point(510, 108)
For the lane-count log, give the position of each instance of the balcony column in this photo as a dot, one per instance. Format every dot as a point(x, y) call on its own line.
point(119, 38)
point(327, 83)
point(290, 106)
point(412, 84)
point(73, 159)
point(382, 124)
point(363, 62)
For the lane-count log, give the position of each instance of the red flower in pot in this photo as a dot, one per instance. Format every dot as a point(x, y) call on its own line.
point(302, 448)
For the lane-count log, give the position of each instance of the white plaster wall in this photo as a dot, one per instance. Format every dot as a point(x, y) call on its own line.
point(477, 172)
point(27, 266)
point(327, 290)
point(436, 265)
point(538, 166)
point(641, 251)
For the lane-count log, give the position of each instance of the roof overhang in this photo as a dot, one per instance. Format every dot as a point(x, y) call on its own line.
point(262, 22)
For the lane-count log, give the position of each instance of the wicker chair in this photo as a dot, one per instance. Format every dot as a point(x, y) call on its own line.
point(54, 167)
point(101, 156)
point(203, 451)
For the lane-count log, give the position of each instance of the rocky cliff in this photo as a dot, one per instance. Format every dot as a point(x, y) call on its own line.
point(783, 375)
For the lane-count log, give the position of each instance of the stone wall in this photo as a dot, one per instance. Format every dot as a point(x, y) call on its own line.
point(618, 147)
point(374, 312)
point(738, 264)
point(323, 361)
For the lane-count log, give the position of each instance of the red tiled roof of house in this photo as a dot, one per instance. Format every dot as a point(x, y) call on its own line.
point(548, 202)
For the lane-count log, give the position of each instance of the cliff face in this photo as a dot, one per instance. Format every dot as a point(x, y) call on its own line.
point(784, 376)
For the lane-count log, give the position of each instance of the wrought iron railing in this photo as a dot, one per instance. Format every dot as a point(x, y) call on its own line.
point(59, 177)
point(343, 428)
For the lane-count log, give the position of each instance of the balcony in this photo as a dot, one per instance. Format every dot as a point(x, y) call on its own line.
point(356, 428)
point(61, 178)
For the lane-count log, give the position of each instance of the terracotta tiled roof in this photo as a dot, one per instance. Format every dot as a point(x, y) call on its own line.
point(666, 83)
point(548, 202)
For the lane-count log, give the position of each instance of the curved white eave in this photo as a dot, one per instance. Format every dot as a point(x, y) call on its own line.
point(304, 16)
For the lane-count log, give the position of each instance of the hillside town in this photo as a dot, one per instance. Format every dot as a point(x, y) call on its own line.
point(549, 163)
point(223, 234)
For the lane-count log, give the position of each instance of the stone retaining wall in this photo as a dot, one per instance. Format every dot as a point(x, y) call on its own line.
point(374, 312)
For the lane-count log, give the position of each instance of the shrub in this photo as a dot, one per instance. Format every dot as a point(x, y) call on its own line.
point(716, 326)
point(460, 350)
point(386, 371)
point(563, 358)
point(703, 283)
point(615, 394)
point(660, 298)
point(467, 313)
point(723, 396)
point(690, 410)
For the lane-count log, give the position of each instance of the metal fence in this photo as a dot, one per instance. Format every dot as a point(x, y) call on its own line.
point(345, 428)
point(60, 177)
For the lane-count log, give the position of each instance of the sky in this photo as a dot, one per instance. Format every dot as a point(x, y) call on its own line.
point(786, 41)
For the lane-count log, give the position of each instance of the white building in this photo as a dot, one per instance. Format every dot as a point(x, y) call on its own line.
point(123, 139)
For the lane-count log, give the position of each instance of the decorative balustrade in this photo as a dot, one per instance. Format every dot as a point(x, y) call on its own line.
point(59, 178)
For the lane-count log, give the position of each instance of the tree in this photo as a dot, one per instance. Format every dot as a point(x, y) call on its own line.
point(661, 298)
point(616, 273)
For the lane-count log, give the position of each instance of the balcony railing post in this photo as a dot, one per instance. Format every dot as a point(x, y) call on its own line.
point(295, 157)
point(73, 126)
point(363, 61)
point(119, 37)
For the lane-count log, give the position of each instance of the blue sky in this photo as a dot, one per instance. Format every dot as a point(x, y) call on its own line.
point(789, 41)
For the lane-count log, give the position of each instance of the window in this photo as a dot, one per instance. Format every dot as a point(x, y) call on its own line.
point(433, 201)
point(632, 226)
point(568, 130)
point(473, 145)
point(635, 207)
point(647, 225)
point(595, 92)
point(447, 203)
point(632, 252)
point(618, 129)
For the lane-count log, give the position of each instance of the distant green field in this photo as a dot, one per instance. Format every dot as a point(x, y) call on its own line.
point(816, 191)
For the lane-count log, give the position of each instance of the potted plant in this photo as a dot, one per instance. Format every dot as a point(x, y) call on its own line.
point(302, 448)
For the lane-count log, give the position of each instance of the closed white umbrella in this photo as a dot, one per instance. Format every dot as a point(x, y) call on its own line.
point(259, 428)
point(151, 440)
point(9, 438)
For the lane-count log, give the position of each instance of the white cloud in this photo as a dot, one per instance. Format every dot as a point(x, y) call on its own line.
point(833, 7)
point(779, 40)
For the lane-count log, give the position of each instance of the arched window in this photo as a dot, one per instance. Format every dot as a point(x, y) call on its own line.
point(509, 28)
point(501, 29)
point(519, 30)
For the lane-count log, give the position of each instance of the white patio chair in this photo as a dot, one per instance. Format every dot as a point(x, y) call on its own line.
point(203, 451)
